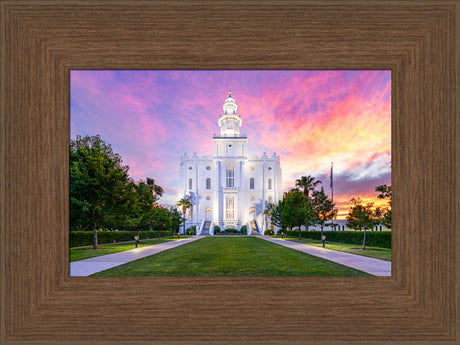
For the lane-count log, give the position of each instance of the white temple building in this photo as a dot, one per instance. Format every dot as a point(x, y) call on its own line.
point(230, 188)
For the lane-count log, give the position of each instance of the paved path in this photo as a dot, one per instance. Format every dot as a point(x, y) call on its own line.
point(87, 267)
point(372, 266)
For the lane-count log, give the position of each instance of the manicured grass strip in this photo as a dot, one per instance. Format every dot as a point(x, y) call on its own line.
point(87, 252)
point(231, 256)
point(373, 252)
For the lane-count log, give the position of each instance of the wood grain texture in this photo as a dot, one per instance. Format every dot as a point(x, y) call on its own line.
point(42, 41)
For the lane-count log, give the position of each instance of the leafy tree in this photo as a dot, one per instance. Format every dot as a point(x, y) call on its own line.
point(296, 210)
point(323, 209)
point(162, 219)
point(270, 212)
point(142, 206)
point(273, 211)
point(307, 184)
point(384, 190)
point(98, 183)
point(184, 204)
point(378, 215)
point(386, 221)
point(176, 219)
point(385, 193)
point(361, 217)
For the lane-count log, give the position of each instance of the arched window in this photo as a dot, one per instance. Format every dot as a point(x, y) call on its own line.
point(252, 213)
point(230, 174)
point(189, 183)
point(270, 199)
point(230, 207)
point(208, 183)
point(251, 183)
point(269, 183)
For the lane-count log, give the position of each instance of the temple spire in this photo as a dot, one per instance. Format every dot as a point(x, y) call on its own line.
point(230, 121)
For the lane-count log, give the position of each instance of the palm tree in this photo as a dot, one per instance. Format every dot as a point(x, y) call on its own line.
point(156, 190)
point(307, 183)
point(185, 204)
point(269, 211)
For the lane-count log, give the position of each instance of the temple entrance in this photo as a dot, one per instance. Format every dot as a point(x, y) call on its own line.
point(208, 213)
point(252, 213)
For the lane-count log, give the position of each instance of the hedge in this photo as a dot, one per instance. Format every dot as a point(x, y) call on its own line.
point(380, 239)
point(85, 238)
point(270, 232)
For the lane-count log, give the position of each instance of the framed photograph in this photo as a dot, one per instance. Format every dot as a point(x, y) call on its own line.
point(42, 42)
point(241, 168)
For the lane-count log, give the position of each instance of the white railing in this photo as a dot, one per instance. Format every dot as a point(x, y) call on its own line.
point(198, 232)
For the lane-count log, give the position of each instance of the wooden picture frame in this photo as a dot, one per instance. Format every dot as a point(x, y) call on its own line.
point(42, 41)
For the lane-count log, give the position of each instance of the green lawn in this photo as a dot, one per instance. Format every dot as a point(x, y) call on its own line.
point(231, 256)
point(87, 252)
point(373, 252)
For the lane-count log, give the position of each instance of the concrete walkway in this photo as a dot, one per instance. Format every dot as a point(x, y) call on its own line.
point(87, 267)
point(372, 266)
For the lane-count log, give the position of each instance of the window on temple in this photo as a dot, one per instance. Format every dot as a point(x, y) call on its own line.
point(230, 174)
point(189, 183)
point(269, 183)
point(208, 183)
point(230, 207)
point(251, 183)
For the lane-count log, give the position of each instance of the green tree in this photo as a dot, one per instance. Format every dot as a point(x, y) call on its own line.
point(386, 221)
point(275, 215)
point(296, 210)
point(307, 184)
point(162, 219)
point(142, 207)
point(323, 209)
point(184, 204)
point(98, 183)
point(270, 213)
point(385, 193)
point(384, 190)
point(176, 219)
point(361, 217)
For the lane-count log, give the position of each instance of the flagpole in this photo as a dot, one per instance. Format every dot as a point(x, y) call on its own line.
point(332, 195)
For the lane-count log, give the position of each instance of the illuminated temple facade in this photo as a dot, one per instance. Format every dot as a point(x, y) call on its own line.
point(229, 188)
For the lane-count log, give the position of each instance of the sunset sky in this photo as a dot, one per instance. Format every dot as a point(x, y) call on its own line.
point(309, 118)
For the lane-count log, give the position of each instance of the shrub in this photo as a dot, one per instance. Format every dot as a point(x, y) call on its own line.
point(269, 232)
point(216, 228)
point(231, 231)
point(85, 238)
point(283, 231)
point(191, 230)
point(244, 229)
point(380, 239)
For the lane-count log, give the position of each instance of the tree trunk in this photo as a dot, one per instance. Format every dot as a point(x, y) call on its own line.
point(322, 240)
point(95, 236)
point(183, 224)
point(137, 240)
point(364, 240)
